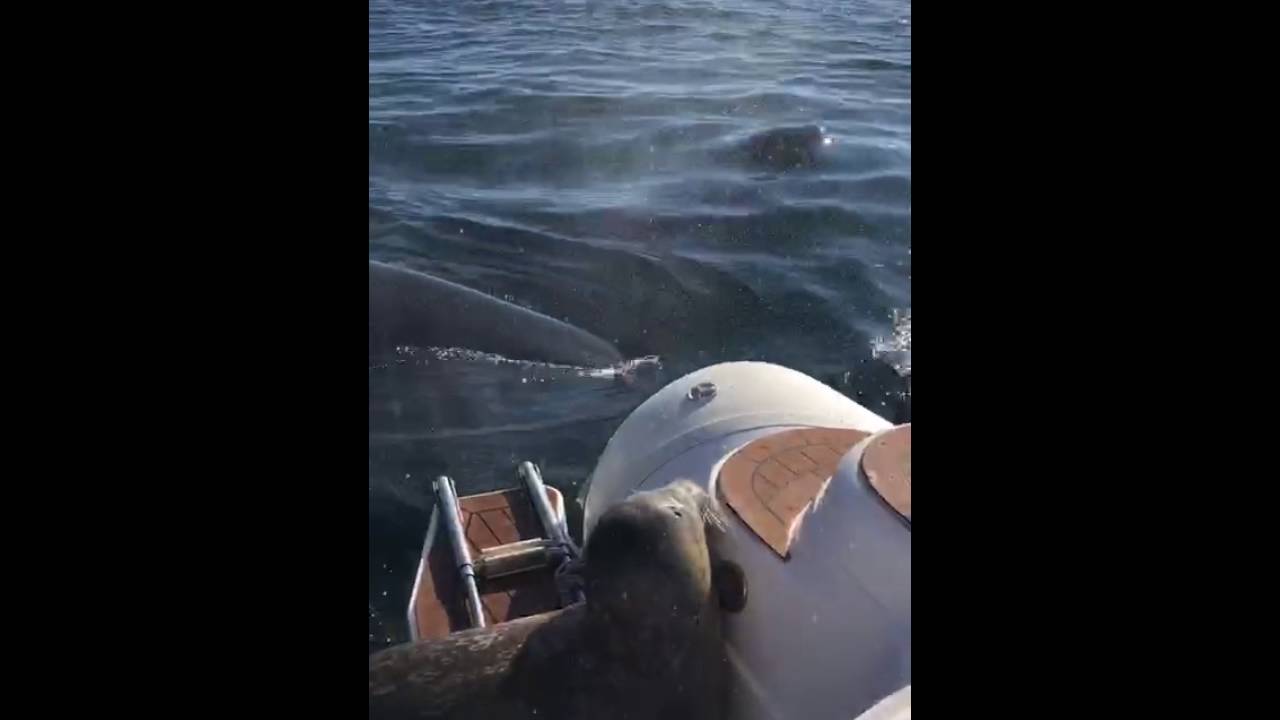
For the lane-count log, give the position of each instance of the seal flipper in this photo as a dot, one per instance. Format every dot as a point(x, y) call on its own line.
point(731, 585)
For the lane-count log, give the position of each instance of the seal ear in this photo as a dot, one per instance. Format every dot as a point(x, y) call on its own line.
point(731, 585)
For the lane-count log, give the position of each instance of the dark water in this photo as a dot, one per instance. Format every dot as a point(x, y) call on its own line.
point(576, 158)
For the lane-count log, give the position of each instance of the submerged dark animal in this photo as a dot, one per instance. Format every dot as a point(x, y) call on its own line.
point(787, 148)
point(409, 308)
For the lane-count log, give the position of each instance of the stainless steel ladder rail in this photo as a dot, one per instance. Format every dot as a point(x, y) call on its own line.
point(450, 514)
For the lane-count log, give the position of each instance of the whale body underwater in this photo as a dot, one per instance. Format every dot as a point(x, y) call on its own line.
point(410, 308)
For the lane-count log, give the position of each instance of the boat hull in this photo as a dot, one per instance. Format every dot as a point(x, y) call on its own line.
point(827, 628)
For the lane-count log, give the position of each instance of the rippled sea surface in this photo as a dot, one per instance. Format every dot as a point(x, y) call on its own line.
point(584, 159)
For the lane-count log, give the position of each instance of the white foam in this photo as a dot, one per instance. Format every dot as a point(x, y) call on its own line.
point(897, 349)
point(424, 355)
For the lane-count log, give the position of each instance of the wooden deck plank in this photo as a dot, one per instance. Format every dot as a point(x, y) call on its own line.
point(771, 481)
point(490, 519)
point(887, 465)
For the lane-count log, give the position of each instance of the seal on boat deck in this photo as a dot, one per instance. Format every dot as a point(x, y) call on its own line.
point(646, 644)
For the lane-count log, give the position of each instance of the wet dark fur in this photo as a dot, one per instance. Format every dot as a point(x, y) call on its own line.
point(647, 644)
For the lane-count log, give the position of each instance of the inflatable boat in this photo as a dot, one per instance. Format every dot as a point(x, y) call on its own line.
point(816, 490)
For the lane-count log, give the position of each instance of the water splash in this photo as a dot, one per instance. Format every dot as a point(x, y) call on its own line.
point(627, 369)
point(897, 349)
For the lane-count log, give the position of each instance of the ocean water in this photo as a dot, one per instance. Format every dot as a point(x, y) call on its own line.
point(582, 158)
